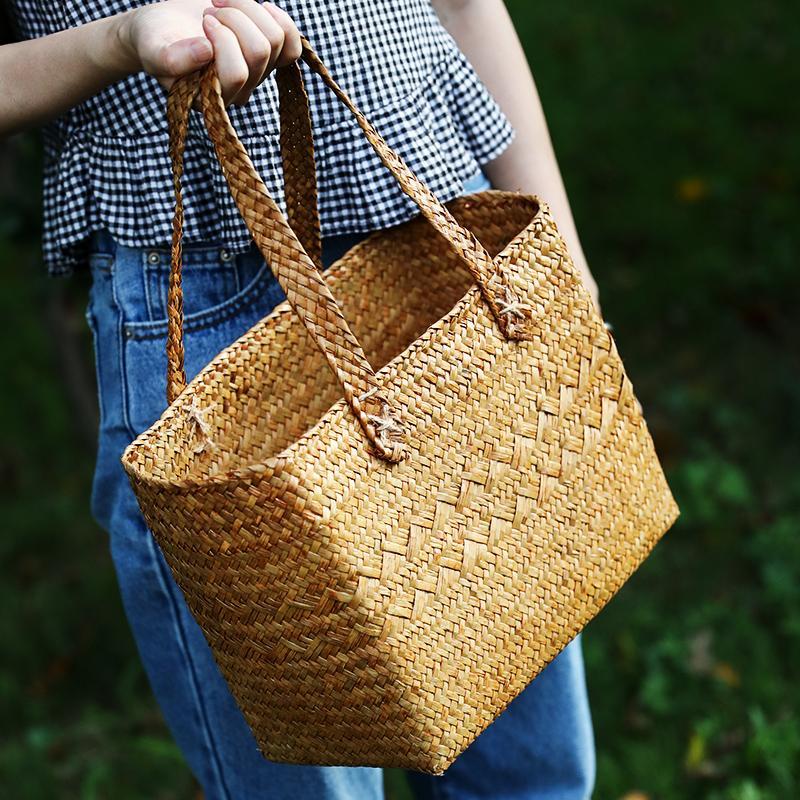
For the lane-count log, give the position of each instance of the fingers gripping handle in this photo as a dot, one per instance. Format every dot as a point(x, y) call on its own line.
point(299, 277)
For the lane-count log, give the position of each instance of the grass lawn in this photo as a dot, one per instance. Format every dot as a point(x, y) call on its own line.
point(672, 125)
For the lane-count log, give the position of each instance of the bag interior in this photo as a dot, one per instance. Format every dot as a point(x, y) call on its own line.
point(392, 287)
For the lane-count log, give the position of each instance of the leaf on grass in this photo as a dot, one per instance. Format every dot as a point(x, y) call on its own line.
point(691, 189)
point(724, 672)
point(701, 659)
point(695, 751)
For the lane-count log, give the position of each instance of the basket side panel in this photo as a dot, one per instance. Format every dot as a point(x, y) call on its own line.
point(279, 607)
point(532, 493)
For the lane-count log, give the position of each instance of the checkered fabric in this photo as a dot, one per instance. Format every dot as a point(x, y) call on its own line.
point(107, 164)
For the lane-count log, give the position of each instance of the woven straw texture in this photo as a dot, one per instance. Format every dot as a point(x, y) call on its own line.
point(390, 510)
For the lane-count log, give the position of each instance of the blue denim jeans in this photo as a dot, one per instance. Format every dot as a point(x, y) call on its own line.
point(540, 747)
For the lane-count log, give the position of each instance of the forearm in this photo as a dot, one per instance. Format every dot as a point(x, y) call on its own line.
point(42, 78)
point(485, 33)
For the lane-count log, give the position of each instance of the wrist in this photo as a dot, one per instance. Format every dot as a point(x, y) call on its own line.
point(113, 52)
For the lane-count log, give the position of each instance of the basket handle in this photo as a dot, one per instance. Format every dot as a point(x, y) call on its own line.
point(297, 274)
point(297, 155)
point(513, 318)
point(294, 268)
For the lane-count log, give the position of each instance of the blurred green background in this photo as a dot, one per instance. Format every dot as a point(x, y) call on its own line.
point(672, 124)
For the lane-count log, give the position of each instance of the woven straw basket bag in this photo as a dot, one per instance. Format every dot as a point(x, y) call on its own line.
point(390, 510)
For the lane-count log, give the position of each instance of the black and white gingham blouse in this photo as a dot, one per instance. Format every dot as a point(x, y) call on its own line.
point(107, 166)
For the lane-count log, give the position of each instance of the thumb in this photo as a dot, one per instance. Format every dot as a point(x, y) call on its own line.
point(185, 56)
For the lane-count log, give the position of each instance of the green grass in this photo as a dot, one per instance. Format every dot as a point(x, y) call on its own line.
point(672, 125)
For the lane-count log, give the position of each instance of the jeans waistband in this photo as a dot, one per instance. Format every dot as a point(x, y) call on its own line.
point(102, 242)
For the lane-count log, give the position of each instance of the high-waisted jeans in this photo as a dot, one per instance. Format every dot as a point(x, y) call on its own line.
point(540, 747)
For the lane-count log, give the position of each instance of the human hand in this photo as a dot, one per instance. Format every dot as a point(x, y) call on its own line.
point(245, 39)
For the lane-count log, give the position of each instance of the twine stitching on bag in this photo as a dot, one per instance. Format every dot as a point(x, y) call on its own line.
point(197, 416)
point(385, 424)
point(512, 307)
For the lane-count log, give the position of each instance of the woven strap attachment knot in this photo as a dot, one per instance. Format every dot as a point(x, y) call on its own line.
point(384, 419)
point(513, 310)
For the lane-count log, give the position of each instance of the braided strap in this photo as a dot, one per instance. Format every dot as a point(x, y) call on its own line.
point(297, 274)
point(297, 155)
point(512, 316)
point(181, 97)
